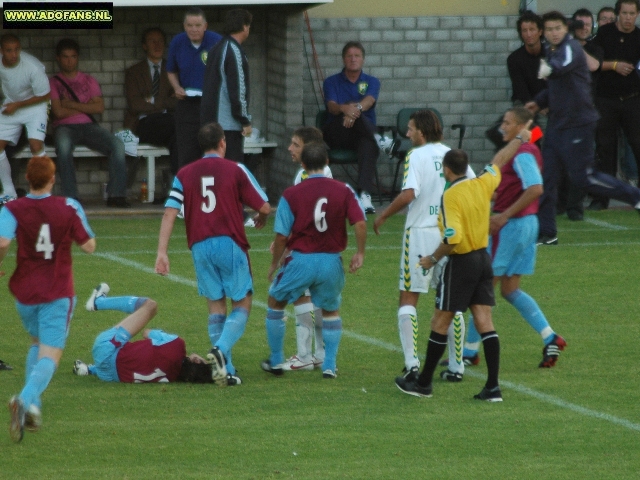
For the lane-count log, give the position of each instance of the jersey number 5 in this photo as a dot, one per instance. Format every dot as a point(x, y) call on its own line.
point(320, 216)
point(210, 199)
point(44, 242)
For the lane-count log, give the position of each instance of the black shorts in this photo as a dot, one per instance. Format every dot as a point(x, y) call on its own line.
point(467, 279)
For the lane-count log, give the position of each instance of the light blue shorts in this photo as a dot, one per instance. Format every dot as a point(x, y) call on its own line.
point(105, 350)
point(222, 269)
point(513, 249)
point(49, 322)
point(321, 273)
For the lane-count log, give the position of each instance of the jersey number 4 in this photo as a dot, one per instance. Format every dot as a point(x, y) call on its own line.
point(44, 242)
point(209, 204)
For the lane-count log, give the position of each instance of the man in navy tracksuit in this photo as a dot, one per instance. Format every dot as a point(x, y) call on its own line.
point(225, 93)
point(572, 122)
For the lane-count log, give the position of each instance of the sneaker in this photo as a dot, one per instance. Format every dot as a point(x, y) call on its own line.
point(100, 291)
point(493, 395)
point(547, 240)
point(551, 352)
point(5, 366)
point(328, 373)
point(450, 376)
point(233, 380)
point(412, 388)
point(277, 370)
point(16, 427)
point(250, 223)
point(32, 419)
point(118, 202)
point(294, 363)
point(80, 368)
point(365, 199)
point(218, 367)
point(598, 205)
point(317, 362)
point(6, 199)
point(411, 374)
point(467, 361)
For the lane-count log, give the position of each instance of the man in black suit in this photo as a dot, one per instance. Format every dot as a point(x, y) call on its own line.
point(150, 97)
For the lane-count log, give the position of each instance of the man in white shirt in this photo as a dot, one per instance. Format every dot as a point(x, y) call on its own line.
point(422, 188)
point(26, 94)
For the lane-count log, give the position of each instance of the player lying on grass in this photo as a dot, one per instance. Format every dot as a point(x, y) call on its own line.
point(159, 357)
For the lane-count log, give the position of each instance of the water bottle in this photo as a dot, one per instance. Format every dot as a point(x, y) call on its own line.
point(144, 191)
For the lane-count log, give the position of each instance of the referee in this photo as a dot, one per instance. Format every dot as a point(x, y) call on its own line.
point(467, 279)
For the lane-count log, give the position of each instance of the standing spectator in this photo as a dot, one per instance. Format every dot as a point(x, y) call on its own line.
point(606, 15)
point(308, 316)
point(75, 98)
point(514, 231)
point(422, 189)
point(310, 223)
point(628, 165)
point(45, 228)
point(185, 67)
point(150, 97)
point(618, 90)
point(160, 357)
point(225, 93)
point(351, 97)
point(467, 278)
point(26, 92)
point(523, 63)
point(570, 197)
point(213, 191)
point(572, 122)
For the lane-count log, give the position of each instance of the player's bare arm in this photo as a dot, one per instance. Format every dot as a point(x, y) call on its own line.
point(499, 220)
point(166, 227)
point(11, 108)
point(89, 246)
point(403, 199)
point(357, 260)
point(279, 246)
point(260, 219)
point(4, 248)
point(509, 150)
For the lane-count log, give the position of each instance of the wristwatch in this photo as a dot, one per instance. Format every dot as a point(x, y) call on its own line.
point(519, 137)
point(433, 259)
point(358, 106)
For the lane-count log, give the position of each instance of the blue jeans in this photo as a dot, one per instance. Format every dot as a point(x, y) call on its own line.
point(93, 136)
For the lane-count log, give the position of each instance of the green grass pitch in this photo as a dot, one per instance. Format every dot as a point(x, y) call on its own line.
point(577, 420)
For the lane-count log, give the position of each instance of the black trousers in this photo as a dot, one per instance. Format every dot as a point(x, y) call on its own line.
point(235, 145)
point(187, 117)
point(359, 138)
point(160, 129)
point(615, 114)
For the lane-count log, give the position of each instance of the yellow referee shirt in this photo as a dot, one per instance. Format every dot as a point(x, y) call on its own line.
point(465, 211)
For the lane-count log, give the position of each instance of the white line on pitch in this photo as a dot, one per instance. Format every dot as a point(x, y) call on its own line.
point(389, 346)
point(604, 224)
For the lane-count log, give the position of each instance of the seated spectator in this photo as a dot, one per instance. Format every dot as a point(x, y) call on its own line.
point(26, 92)
point(75, 98)
point(350, 98)
point(150, 97)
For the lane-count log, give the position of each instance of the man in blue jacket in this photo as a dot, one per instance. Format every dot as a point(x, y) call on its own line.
point(572, 122)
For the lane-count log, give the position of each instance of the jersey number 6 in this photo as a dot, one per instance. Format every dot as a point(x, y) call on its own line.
point(320, 215)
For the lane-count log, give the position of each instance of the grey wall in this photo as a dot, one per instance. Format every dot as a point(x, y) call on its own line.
point(454, 64)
